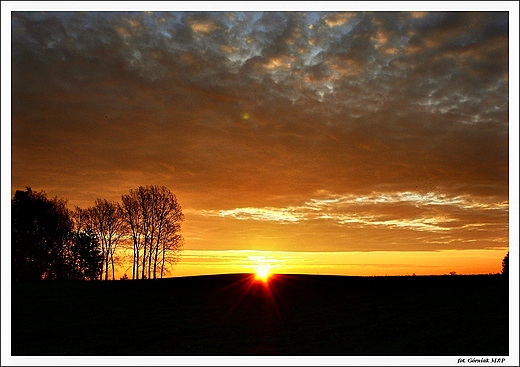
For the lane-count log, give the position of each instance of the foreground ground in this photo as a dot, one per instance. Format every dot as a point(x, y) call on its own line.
point(291, 315)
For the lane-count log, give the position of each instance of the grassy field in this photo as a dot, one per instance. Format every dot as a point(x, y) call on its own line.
point(236, 315)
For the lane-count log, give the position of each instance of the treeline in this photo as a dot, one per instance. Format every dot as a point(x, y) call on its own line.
point(49, 241)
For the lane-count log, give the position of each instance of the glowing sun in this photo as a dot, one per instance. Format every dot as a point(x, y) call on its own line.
point(263, 272)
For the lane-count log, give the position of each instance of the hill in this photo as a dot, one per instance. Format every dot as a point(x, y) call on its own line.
point(234, 315)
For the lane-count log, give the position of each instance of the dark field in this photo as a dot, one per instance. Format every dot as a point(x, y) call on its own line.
point(235, 315)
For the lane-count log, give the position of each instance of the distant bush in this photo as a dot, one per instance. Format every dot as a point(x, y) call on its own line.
point(124, 277)
point(505, 265)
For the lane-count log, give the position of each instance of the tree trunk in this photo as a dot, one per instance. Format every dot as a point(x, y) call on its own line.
point(162, 262)
point(137, 265)
point(155, 262)
point(150, 260)
point(144, 261)
point(134, 271)
point(103, 256)
point(112, 261)
point(106, 264)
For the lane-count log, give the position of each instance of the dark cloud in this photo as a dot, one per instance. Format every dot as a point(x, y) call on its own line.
point(254, 109)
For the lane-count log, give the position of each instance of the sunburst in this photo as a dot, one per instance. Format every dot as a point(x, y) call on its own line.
point(263, 272)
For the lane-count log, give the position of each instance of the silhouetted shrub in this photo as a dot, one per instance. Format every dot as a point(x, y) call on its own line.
point(505, 265)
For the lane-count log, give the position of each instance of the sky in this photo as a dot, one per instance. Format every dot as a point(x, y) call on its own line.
point(331, 142)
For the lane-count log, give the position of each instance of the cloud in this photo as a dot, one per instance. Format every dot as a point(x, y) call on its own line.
point(411, 211)
point(403, 106)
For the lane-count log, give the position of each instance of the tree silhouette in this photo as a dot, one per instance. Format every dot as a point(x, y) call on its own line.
point(154, 217)
point(87, 261)
point(46, 244)
point(41, 229)
point(133, 215)
point(505, 265)
point(106, 220)
point(51, 242)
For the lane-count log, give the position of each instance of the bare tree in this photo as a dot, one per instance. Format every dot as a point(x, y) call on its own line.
point(134, 218)
point(154, 216)
point(107, 221)
point(171, 250)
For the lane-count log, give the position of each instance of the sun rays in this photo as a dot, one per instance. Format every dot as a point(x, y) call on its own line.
point(263, 272)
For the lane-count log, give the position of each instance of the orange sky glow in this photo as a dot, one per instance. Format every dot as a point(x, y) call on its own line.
point(351, 143)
